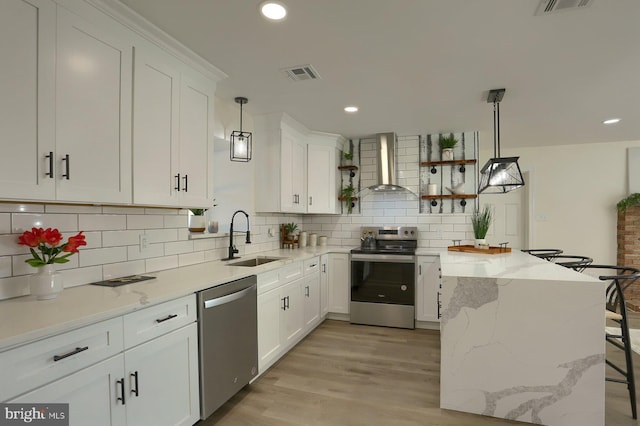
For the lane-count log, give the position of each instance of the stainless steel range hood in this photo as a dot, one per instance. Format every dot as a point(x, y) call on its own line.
point(386, 160)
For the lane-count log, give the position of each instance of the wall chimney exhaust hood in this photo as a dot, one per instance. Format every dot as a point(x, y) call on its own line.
point(386, 164)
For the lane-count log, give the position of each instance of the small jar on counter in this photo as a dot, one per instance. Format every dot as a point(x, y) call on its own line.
point(302, 239)
point(322, 240)
point(313, 240)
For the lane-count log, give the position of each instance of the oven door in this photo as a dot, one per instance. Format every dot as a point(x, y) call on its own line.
point(383, 278)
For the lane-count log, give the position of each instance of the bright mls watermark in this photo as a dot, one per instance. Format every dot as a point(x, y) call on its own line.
point(34, 414)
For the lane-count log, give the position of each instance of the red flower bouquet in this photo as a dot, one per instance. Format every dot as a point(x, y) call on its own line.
point(47, 241)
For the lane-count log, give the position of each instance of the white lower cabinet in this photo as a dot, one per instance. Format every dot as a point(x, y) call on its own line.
point(104, 381)
point(288, 309)
point(92, 394)
point(339, 288)
point(428, 289)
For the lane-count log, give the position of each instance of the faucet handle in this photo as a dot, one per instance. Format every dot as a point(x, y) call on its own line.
point(235, 250)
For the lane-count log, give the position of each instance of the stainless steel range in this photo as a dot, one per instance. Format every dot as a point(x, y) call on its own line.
point(383, 277)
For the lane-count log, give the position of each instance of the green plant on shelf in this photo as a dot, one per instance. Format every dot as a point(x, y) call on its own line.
point(448, 142)
point(347, 194)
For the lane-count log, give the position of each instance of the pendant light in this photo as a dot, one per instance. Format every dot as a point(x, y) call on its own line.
point(240, 149)
point(499, 174)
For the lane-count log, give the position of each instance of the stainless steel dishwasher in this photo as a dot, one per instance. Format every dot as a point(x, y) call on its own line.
point(228, 341)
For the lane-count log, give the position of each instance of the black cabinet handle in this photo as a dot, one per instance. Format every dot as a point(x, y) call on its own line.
point(73, 352)
point(284, 303)
point(419, 269)
point(306, 291)
point(310, 201)
point(67, 175)
point(186, 183)
point(288, 307)
point(177, 178)
point(439, 306)
point(50, 157)
point(324, 267)
point(167, 318)
point(121, 383)
point(135, 381)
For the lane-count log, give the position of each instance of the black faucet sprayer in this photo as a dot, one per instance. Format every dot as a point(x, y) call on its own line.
point(232, 248)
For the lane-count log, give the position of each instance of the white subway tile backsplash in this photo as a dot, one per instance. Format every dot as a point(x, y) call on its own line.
point(5, 223)
point(145, 221)
point(161, 235)
point(101, 256)
point(102, 222)
point(9, 245)
point(178, 247)
point(80, 276)
point(25, 221)
point(5, 266)
point(122, 210)
point(120, 238)
point(73, 209)
point(208, 244)
point(123, 269)
point(14, 287)
point(20, 267)
point(175, 221)
point(453, 219)
point(190, 258)
point(161, 263)
point(153, 250)
point(21, 208)
point(163, 211)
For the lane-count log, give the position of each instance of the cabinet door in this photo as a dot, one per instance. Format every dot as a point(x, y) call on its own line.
point(293, 172)
point(196, 139)
point(270, 306)
point(93, 110)
point(339, 283)
point(324, 285)
point(27, 48)
point(321, 190)
point(292, 317)
point(155, 129)
point(92, 394)
point(162, 380)
point(311, 294)
point(428, 288)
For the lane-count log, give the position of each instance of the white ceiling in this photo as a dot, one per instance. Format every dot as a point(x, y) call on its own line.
point(425, 66)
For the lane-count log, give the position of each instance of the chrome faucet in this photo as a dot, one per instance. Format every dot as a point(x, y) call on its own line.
point(232, 248)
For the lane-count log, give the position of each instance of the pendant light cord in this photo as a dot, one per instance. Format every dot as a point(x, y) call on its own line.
point(241, 116)
point(496, 129)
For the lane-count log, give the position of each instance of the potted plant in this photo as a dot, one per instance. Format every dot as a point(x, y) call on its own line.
point(446, 146)
point(47, 282)
point(197, 220)
point(348, 159)
point(481, 220)
point(346, 195)
point(631, 201)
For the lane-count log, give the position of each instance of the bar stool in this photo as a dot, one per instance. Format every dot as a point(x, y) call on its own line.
point(616, 311)
point(546, 254)
point(577, 263)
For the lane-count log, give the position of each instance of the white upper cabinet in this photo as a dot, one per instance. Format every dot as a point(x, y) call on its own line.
point(173, 117)
point(93, 109)
point(323, 179)
point(296, 170)
point(27, 48)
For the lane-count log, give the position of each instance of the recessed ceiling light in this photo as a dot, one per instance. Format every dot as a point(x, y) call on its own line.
point(611, 121)
point(273, 10)
point(351, 108)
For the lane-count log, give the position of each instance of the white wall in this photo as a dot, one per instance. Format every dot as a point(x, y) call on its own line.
point(574, 192)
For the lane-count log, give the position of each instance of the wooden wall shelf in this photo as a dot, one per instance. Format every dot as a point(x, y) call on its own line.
point(347, 167)
point(449, 196)
point(445, 163)
point(344, 198)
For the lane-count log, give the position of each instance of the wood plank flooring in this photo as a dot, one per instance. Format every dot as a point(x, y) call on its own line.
point(345, 374)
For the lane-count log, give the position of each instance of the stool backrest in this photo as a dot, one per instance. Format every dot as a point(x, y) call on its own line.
point(546, 254)
point(619, 278)
point(577, 263)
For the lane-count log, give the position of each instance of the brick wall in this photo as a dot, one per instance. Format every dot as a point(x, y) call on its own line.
point(629, 245)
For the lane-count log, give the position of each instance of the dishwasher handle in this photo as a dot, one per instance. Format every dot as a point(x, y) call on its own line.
point(228, 298)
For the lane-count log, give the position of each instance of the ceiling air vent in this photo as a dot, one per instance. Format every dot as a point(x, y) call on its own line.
point(551, 6)
point(301, 73)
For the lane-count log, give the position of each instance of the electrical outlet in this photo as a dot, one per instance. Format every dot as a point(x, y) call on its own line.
point(144, 242)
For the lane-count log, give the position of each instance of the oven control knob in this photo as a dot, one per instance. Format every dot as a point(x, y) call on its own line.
point(403, 287)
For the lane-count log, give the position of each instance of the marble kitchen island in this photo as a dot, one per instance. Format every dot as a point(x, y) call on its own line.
point(522, 339)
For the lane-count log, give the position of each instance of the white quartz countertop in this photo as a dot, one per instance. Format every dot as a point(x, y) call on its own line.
point(514, 265)
point(25, 319)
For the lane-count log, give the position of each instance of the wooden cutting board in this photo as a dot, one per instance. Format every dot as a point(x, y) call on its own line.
point(472, 249)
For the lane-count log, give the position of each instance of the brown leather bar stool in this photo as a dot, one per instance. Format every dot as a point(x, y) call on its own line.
point(618, 278)
point(577, 263)
point(546, 254)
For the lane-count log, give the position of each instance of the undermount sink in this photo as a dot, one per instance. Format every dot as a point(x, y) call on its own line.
point(254, 261)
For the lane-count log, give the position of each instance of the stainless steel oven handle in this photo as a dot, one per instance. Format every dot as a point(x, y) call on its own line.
point(387, 258)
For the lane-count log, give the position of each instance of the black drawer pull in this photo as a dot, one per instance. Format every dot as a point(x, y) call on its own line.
point(186, 183)
point(50, 172)
point(76, 351)
point(167, 318)
point(177, 177)
point(121, 383)
point(135, 377)
point(66, 160)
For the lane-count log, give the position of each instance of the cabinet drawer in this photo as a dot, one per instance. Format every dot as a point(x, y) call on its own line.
point(35, 364)
point(311, 266)
point(290, 272)
point(155, 321)
point(268, 281)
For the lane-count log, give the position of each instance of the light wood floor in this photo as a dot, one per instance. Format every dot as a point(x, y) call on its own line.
point(345, 374)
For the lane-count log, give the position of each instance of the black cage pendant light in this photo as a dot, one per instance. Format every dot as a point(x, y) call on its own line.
point(240, 141)
point(499, 174)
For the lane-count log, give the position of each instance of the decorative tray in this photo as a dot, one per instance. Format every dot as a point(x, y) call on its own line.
point(472, 249)
point(116, 282)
